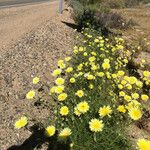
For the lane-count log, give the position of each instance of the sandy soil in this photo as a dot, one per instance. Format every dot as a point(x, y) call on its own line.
point(32, 39)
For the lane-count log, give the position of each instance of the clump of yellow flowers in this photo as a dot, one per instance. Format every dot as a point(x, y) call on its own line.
point(96, 95)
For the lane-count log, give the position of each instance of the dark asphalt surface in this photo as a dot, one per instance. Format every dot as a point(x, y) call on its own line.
point(9, 3)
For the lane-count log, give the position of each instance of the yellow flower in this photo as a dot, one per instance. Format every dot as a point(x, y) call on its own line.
point(72, 80)
point(81, 49)
point(129, 86)
point(114, 76)
point(123, 82)
point(86, 64)
point(101, 38)
point(122, 94)
point(91, 86)
point(120, 73)
point(79, 93)
point(102, 42)
point(121, 108)
point(143, 144)
point(105, 111)
point(127, 98)
point(56, 72)
point(133, 104)
point(69, 69)
point(106, 65)
point(132, 80)
point(139, 84)
point(64, 110)
point(100, 74)
point(21, 122)
point(75, 48)
point(93, 53)
point(65, 132)
point(59, 89)
point(101, 45)
point(96, 40)
point(146, 73)
point(94, 67)
point(79, 67)
point(67, 58)
point(62, 96)
point(75, 51)
point(83, 107)
point(71, 144)
point(35, 80)
point(91, 59)
point(96, 125)
point(120, 86)
point(52, 90)
point(30, 94)
point(119, 47)
point(85, 54)
point(61, 64)
point(90, 77)
point(135, 95)
point(147, 82)
point(77, 112)
point(59, 81)
point(126, 78)
point(135, 113)
point(106, 60)
point(144, 97)
point(143, 61)
point(108, 75)
point(50, 130)
point(125, 61)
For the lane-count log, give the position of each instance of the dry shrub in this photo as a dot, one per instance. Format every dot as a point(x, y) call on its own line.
point(110, 20)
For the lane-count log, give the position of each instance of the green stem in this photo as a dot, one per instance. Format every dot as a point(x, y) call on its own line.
point(95, 137)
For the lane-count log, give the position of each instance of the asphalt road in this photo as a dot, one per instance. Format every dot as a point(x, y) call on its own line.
point(11, 3)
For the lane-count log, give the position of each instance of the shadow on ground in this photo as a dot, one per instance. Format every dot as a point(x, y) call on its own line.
point(38, 138)
point(104, 31)
point(71, 25)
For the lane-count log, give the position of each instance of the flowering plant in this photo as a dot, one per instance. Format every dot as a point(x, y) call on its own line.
point(96, 96)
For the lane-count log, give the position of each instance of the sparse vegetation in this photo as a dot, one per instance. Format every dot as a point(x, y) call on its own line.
point(99, 15)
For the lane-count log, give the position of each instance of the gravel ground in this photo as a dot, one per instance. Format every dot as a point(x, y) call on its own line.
point(35, 54)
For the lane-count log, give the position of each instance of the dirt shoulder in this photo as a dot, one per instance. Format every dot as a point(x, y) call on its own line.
point(34, 53)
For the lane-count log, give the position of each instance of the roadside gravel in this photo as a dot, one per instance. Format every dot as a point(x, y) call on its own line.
point(35, 54)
